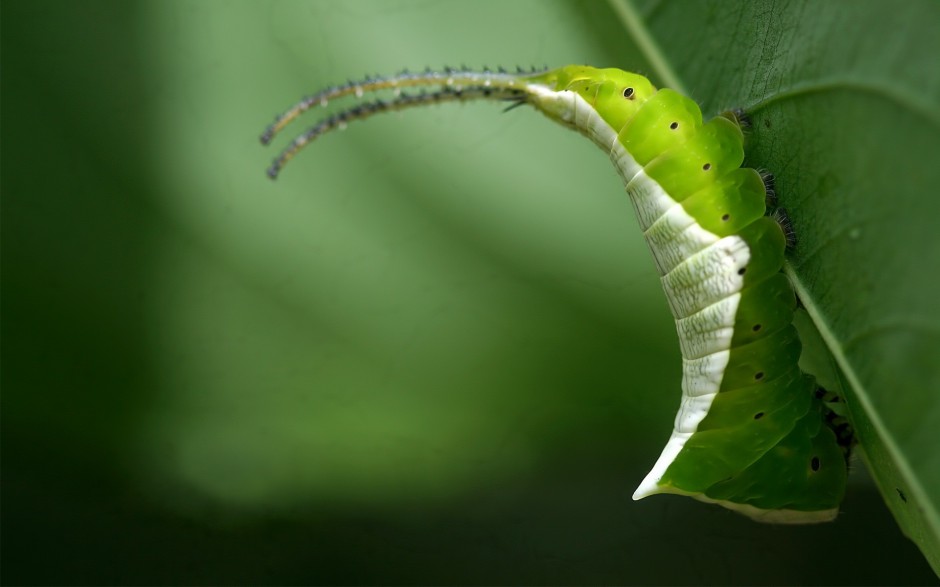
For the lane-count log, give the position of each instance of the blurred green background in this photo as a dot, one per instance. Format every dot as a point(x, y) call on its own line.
point(434, 351)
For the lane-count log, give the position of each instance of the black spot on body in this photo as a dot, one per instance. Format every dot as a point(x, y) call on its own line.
point(674, 125)
point(758, 415)
point(756, 328)
point(759, 375)
point(814, 464)
point(742, 270)
point(628, 93)
point(725, 217)
point(706, 167)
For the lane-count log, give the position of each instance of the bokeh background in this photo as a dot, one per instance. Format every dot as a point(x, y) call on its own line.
point(434, 351)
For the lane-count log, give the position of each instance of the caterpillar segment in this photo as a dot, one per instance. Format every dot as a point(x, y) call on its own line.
point(751, 433)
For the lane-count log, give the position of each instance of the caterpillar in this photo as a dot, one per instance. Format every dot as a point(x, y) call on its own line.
point(753, 433)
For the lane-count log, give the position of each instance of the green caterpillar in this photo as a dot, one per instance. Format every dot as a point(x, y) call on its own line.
point(753, 433)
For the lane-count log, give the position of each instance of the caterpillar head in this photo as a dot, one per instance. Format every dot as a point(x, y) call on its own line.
point(614, 94)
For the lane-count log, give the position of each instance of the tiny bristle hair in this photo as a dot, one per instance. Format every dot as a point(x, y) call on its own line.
point(783, 219)
point(739, 117)
point(770, 188)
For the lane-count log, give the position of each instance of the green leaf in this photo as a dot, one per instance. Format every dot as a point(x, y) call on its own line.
point(434, 351)
point(845, 103)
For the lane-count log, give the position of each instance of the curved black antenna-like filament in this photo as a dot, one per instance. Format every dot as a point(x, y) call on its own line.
point(451, 84)
point(401, 102)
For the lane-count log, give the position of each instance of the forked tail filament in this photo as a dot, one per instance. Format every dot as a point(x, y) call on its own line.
point(448, 85)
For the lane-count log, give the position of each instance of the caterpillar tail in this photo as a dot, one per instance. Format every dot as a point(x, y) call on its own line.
point(434, 87)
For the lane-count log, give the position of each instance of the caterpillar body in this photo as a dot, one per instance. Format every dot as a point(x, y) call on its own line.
point(753, 432)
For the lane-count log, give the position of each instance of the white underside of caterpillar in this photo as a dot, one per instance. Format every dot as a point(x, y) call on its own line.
point(699, 272)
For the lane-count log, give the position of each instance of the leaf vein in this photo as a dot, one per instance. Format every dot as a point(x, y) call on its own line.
point(640, 33)
point(924, 108)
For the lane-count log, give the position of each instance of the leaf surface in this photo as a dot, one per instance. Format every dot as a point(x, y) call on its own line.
point(845, 103)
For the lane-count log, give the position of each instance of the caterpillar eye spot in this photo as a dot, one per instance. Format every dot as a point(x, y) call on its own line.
point(628, 93)
point(756, 328)
point(814, 464)
point(725, 217)
point(742, 270)
point(674, 125)
point(759, 375)
point(706, 167)
point(758, 415)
